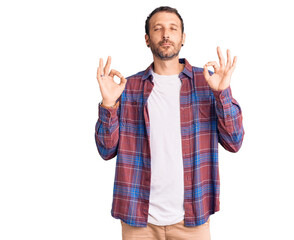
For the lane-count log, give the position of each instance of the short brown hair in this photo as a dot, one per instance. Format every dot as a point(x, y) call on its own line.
point(162, 9)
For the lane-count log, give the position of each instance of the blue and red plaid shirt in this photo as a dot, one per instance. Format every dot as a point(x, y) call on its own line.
point(208, 117)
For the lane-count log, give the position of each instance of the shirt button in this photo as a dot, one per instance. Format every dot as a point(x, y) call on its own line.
point(107, 131)
point(108, 114)
point(228, 115)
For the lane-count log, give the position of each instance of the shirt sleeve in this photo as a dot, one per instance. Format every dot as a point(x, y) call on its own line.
point(229, 120)
point(107, 130)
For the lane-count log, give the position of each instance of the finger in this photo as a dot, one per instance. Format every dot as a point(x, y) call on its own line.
point(123, 81)
point(230, 71)
point(101, 64)
point(229, 63)
point(115, 72)
point(221, 57)
point(234, 63)
point(99, 71)
point(99, 78)
point(107, 66)
point(214, 64)
point(100, 67)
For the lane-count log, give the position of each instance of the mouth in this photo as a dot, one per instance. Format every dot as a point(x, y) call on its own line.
point(166, 44)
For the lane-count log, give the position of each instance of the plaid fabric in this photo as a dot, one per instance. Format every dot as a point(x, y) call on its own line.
point(208, 117)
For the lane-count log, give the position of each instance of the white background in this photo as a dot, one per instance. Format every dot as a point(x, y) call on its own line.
point(54, 184)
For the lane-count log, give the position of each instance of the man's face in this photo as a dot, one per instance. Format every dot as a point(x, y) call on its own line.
point(165, 28)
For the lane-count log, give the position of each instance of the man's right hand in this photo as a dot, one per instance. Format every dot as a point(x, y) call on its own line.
point(109, 89)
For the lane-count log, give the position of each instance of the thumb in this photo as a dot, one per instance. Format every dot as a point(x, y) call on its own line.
point(123, 81)
point(205, 72)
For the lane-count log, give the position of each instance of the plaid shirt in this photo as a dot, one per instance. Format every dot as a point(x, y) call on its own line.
point(208, 117)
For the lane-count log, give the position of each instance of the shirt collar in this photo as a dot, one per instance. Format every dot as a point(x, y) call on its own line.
point(187, 69)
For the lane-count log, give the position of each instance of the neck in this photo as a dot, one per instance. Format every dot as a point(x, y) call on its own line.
point(168, 67)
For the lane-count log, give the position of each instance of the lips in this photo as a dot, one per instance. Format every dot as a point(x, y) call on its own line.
point(166, 44)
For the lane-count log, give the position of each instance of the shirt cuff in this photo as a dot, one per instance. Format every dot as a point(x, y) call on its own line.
point(106, 113)
point(223, 96)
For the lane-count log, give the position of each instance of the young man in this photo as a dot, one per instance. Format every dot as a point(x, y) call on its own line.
point(164, 125)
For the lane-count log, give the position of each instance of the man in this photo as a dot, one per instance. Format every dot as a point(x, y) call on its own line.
point(164, 125)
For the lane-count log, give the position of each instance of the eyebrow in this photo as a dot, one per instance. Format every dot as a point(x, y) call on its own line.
point(161, 24)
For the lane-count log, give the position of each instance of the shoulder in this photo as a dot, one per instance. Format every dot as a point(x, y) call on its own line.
point(134, 81)
point(136, 76)
point(133, 86)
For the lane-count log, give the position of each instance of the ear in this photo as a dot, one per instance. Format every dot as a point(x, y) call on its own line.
point(147, 40)
point(184, 38)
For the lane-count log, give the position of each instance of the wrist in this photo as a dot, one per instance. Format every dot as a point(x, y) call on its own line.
point(107, 104)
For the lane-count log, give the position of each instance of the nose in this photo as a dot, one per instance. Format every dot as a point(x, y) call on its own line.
point(165, 34)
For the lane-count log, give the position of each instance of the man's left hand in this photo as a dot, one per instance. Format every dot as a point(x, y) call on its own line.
point(221, 78)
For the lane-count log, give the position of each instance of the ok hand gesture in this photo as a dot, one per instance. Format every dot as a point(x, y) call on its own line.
point(221, 78)
point(110, 90)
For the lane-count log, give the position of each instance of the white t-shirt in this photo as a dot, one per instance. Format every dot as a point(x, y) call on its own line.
point(166, 203)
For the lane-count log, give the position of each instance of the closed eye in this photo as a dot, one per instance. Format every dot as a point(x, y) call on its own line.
point(160, 28)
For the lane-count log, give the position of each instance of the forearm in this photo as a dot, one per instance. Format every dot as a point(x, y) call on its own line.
point(229, 120)
point(107, 131)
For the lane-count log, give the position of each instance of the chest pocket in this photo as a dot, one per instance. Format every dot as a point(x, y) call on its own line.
point(205, 109)
point(132, 112)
